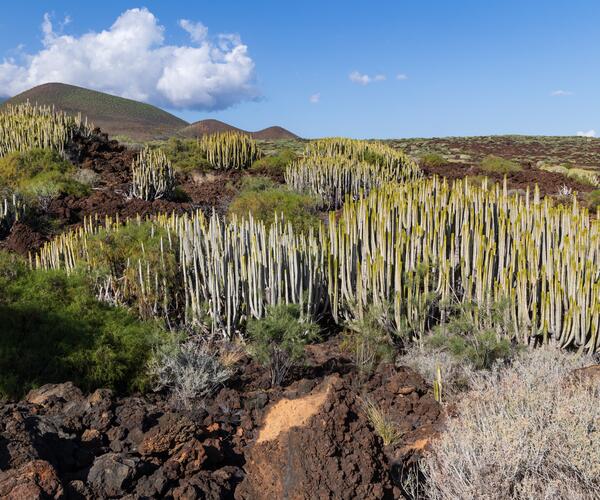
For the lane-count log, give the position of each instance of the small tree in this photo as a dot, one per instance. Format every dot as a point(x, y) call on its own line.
point(278, 340)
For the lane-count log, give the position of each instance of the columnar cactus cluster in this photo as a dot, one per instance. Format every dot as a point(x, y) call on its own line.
point(332, 179)
point(406, 244)
point(230, 150)
point(372, 152)
point(332, 169)
point(412, 246)
point(152, 175)
point(228, 272)
point(27, 126)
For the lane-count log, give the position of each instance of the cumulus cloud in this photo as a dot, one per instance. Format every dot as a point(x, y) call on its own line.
point(198, 32)
point(363, 79)
point(401, 76)
point(315, 98)
point(589, 133)
point(560, 93)
point(130, 59)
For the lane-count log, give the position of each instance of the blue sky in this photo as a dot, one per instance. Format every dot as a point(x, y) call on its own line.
point(471, 67)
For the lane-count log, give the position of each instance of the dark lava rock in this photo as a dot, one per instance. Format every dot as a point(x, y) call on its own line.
point(112, 474)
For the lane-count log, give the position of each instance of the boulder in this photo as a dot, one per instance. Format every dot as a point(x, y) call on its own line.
point(34, 480)
point(112, 473)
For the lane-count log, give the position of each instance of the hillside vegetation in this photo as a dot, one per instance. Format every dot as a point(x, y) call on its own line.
point(114, 115)
point(388, 323)
point(127, 118)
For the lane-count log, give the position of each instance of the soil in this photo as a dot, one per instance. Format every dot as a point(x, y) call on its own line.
point(548, 182)
point(111, 161)
point(309, 439)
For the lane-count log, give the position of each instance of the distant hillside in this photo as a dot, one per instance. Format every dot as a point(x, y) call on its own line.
point(126, 117)
point(114, 115)
point(204, 127)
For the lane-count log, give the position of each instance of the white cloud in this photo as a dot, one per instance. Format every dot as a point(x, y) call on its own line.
point(130, 59)
point(363, 79)
point(560, 93)
point(401, 76)
point(589, 133)
point(198, 32)
point(315, 98)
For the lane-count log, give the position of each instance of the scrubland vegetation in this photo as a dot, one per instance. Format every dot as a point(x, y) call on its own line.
point(467, 282)
point(525, 431)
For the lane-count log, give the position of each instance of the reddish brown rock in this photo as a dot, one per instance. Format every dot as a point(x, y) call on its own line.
point(34, 480)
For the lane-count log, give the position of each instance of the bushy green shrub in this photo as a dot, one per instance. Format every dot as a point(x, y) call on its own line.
point(433, 160)
point(116, 254)
point(263, 199)
point(185, 155)
point(368, 342)
point(257, 183)
point(274, 165)
point(54, 330)
point(496, 165)
point(475, 333)
point(40, 173)
point(278, 340)
point(593, 198)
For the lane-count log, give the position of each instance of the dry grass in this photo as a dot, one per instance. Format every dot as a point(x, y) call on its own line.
point(385, 428)
point(527, 431)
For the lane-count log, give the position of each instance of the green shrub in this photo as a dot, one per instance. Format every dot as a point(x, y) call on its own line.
point(40, 173)
point(496, 165)
point(368, 342)
point(116, 254)
point(257, 183)
point(593, 198)
point(274, 165)
point(433, 160)
point(263, 200)
point(278, 340)
point(55, 330)
point(185, 155)
point(475, 334)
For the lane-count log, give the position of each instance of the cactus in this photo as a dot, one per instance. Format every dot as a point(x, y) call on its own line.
point(373, 152)
point(404, 243)
point(437, 385)
point(11, 210)
point(411, 245)
point(152, 175)
point(26, 126)
point(230, 150)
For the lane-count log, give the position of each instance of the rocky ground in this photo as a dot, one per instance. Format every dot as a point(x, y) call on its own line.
point(309, 439)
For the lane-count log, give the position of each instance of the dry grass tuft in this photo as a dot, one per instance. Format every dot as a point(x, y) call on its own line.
point(383, 425)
